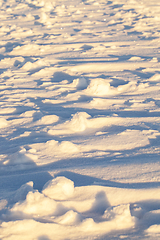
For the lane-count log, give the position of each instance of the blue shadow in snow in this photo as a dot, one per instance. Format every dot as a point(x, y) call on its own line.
point(83, 180)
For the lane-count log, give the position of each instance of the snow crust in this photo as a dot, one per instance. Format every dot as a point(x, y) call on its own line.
point(79, 119)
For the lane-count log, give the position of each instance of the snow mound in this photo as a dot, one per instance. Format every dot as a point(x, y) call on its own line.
point(99, 87)
point(120, 215)
point(59, 188)
point(22, 192)
point(153, 229)
point(54, 150)
point(3, 123)
point(48, 119)
point(35, 204)
point(79, 87)
point(21, 158)
point(69, 218)
point(135, 59)
point(82, 83)
point(62, 209)
point(155, 77)
point(78, 123)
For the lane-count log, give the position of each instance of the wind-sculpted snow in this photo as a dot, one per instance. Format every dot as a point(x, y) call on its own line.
point(77, 211)
point(79, 119)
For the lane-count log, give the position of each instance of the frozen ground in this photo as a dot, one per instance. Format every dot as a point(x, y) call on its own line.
point(79, 119)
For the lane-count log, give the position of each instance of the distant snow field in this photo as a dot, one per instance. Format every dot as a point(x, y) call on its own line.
point(79, 119)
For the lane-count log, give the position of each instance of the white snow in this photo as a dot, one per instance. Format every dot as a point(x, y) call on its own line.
point(59, 188)
point(79, 119)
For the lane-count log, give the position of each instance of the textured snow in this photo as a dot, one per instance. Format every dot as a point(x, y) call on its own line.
point(79, 119)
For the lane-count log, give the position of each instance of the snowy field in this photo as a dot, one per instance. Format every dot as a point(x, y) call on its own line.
point(79, 119)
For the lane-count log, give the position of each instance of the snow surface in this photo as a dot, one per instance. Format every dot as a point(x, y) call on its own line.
point(79, 119)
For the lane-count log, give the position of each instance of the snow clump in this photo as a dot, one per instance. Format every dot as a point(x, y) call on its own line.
point(59, 188)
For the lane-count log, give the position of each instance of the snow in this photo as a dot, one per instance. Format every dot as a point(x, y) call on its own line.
point(79, 119)
point(59, 188)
